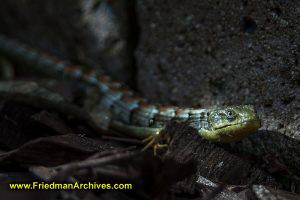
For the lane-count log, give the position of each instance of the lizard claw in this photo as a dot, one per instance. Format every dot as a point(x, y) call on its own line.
point(154, 141)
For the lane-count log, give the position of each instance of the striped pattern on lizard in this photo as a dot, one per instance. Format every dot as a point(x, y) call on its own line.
point(133, 115)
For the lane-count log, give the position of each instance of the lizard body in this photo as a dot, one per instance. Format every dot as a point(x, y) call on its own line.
point(134, 115)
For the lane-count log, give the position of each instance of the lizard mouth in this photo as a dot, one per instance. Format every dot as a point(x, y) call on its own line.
point(232, 132)
point(239, 131)
point(254, 123)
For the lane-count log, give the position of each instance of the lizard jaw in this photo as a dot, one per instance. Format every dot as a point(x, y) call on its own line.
point(231, 133)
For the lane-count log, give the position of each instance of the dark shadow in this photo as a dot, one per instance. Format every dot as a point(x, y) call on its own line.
point(277, 153)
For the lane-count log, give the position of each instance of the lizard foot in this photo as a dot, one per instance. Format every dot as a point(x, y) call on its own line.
point(154, 141)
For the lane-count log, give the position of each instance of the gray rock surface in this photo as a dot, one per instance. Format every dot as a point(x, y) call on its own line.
point(205, 53)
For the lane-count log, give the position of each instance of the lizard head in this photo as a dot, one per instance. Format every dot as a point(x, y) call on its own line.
point(231, 123)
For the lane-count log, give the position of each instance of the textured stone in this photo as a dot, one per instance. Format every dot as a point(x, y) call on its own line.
point(204, 53)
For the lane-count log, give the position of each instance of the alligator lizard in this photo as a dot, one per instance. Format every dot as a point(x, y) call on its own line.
point(133, 115)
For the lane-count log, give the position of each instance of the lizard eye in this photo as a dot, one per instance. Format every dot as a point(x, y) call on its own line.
point(230, 114)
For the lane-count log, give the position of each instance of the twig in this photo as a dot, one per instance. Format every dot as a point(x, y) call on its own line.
point(67, 169)
point(106, 153)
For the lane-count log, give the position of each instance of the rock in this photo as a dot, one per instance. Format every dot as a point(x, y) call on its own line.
point(205, 53)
